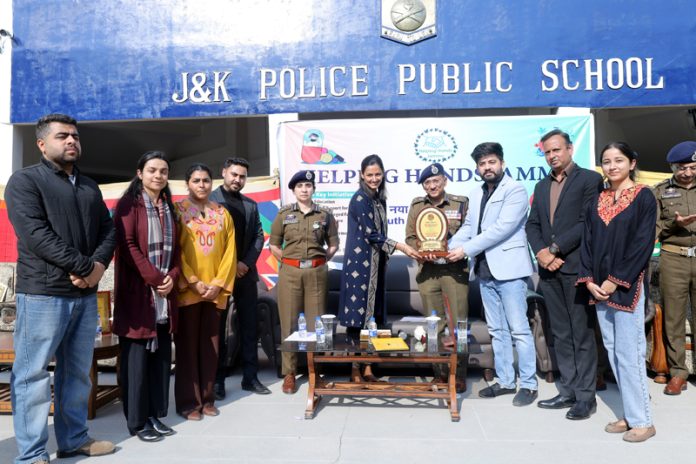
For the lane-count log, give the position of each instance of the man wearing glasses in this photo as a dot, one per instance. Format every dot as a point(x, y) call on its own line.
point(676, 230)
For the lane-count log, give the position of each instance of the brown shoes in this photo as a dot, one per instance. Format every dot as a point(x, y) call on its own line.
point(289, 386)
point(620, 426)
point(210, 410)
point(675, 386)
point(192, 416)
point(601, 385)
point(639, 434)
point(91, 448)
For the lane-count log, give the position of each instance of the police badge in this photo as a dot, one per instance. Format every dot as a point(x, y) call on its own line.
point(409, 21)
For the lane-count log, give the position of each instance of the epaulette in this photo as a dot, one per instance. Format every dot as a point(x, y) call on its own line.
point(418, 200)
point(664, 182)
point(326, 209)
point(285, 208)
point(459, 198)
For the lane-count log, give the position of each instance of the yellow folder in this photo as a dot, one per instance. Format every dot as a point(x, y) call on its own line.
point(389, 344)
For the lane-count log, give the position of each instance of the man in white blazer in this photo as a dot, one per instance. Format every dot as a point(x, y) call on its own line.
point(494, 237)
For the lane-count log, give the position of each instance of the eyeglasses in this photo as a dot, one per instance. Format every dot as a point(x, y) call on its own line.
point(683, 169)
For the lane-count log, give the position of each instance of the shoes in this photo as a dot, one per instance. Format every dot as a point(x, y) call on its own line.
point(91, 448)
point(192, 416)
point(40, 461)
point(675, 386)
point(256, 387)
point(148, 433)
point(210, 410)
point(219, 389)
point(557, 402)
point(289, 386)
point(639, 434)
point(619, 426)
point(601, 385)
point(160, 427)
point(460, 385)
point(496, 390)
point(368, 376)
point(582, 410)
point(524, 397)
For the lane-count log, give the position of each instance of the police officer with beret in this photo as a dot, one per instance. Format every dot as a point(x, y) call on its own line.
point(438, 277)
point(676, 230)
point(303, 237)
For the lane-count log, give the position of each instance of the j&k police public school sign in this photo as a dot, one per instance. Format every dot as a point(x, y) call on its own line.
point(212, 59)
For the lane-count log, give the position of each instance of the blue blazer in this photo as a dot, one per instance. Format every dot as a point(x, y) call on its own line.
point(502, 238)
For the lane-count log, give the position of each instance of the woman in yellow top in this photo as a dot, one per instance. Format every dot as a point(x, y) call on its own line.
point(208, 268)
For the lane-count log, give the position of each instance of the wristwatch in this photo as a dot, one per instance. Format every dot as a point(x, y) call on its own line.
point(554, 250)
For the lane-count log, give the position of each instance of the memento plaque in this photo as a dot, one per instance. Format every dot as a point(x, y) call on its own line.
point(431, 229)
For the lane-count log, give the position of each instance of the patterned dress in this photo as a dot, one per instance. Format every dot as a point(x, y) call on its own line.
point(363, 289)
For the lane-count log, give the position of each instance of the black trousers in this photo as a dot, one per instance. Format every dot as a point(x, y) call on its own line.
point(572, 325)
point(144, 378)
point(245, 296)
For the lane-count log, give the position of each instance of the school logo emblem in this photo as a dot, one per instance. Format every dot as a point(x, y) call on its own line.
point(409, 21)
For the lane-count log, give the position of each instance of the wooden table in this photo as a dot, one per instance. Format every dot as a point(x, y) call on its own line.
point(100, 395)
point(343, 349)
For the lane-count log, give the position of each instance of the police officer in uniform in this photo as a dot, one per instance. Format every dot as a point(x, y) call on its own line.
point(676, 229)
point(437, 277)
point(303, 237)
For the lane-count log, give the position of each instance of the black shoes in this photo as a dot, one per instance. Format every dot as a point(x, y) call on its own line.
point(582, 410)
point(255, 386)
point(219, 389)
point(148, 433)
point(524, 397)
point(557, 402)
point(160, 427)
point(496, 390)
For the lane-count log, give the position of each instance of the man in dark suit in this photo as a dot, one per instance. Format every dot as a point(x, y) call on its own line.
point(249, 241)
point(554, 229)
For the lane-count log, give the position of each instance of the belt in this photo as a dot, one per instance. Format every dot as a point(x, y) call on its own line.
point(304, 263)
point(689, 252)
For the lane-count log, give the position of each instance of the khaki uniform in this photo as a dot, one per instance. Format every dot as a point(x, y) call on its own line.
point(303, 275)
point(677, 268)
point(449, 279)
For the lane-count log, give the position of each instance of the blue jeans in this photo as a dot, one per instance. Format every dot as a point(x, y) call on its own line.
point(624, 338)
point(505, 305)
point(49, 326)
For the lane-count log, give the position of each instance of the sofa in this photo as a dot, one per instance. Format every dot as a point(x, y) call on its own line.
point(404, 300)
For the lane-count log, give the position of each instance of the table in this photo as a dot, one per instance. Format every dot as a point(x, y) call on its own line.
point(100, 395)
point(343, 348)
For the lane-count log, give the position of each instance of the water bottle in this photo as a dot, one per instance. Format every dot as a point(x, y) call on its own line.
point(98, 334)
point(432, 325)
point(372, 328)
point(319, 330)
point(302, 326)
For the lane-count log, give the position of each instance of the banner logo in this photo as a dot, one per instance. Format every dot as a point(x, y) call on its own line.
point(435, 145)
point(409, 21)
point(314, 152)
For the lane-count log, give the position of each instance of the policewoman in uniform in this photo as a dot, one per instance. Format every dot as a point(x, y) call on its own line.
point(439, 279)
point(303, 237)
point(676, 229)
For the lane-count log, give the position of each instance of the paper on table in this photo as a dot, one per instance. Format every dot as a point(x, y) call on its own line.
point(413, 319)
point(295, 337)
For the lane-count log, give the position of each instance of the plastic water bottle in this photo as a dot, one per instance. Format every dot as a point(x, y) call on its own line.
point(98, 334)
point(302, 325)
point(319, 330)
point(432, 325)
point(372, 328)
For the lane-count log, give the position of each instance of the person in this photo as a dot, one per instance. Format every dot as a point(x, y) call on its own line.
point(209, 268)
point(65, 241)
point(554, 229)
point(147, 268)
point(304, 236)
point(676, 231)
point(493, 236)
point(249, 241)
point(363, 294)
point(617, 243)
point(437, 278)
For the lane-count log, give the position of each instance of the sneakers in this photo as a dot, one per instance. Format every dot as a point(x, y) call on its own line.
point(524, 397)
point(91, 448)
point(619, 426)
point(639, 434)
point(496, 390)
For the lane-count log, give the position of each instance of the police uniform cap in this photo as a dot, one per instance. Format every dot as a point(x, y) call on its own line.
point(434, 169)
point(684, 152)
point(301, 176)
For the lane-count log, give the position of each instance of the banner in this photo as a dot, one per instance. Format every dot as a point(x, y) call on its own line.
point(334, 149)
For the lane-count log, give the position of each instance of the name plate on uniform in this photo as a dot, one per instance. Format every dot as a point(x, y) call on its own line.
point(431, 229)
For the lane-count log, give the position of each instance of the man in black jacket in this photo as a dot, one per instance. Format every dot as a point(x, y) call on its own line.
point(249, 241)
point(554, 230)
point(65, 241)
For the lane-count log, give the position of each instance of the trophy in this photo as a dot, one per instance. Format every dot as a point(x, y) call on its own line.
point(431, 229)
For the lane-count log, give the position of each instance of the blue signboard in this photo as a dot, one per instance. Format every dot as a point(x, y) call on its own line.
point(128, 59)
